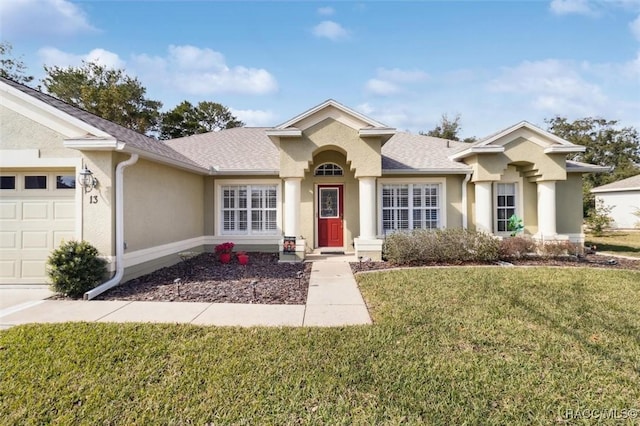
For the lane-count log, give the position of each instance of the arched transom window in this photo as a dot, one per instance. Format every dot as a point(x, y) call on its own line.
point(328, 169)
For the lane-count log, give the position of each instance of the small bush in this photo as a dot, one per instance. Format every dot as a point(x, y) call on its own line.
point(598, 219)
point(558, 248)
point(75, 268)
point(516, 247)
point(422, 246)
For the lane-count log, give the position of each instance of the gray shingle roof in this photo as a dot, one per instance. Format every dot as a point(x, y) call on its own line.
point(406, 151)
point(130, 137)
point(628, 184)
point(250, 149)
point(237, 149)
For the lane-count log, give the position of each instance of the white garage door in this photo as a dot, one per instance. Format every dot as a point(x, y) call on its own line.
point(37, 212)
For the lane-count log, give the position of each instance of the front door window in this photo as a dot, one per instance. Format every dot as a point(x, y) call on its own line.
point(329, 203)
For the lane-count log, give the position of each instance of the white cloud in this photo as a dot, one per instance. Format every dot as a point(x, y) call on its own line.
point(29, 18)
point(254, 118)
point(552, 86)
point(51, 56)
point(390, 81)
point(326, 11)
point(381, 87)
point(565, 7)
point(635, 28)
point(331, 30)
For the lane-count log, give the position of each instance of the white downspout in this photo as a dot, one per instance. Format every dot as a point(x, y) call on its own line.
point(465, 207)
point(119, 231)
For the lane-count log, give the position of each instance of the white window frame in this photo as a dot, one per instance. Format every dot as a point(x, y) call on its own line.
point(442, 205)
point(519, 208)
point(335, 167)
point(249, 184)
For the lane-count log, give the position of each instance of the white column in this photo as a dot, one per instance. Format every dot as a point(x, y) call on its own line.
point(367, 207)
point(484, 207)
point(547, 209)
point(292, 207)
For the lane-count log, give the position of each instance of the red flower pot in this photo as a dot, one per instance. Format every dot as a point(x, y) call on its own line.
point(243, 259)
point(225, 257)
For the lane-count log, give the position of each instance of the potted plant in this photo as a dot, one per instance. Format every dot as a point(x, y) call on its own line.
point(243, 257)
point(224, 251)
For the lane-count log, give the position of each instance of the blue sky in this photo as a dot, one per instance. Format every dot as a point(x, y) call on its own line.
point(402, 63)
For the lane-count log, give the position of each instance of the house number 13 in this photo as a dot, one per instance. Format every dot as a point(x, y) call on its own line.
point(93, 199)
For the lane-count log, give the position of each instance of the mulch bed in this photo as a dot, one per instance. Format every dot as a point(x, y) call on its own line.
point(589, 260)
point(204, 279)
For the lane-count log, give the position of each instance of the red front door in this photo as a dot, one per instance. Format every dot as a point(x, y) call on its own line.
point(330, 211)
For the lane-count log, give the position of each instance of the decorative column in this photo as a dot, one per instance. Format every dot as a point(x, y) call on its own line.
point(547, 209)
point(292, 206)
point(367, 207)
point(291, 226)
point(484, 207)
point(367, 245)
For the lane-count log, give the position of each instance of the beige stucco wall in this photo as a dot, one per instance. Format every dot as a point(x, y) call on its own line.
point(527, 154)
point(362, 154)
point(98, 215)
point(161, 205)
point(569, 205)
point(20, 132)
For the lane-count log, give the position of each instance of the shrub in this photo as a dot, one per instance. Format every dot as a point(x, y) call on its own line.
point(598, 219)
point(75, 268)
point(422, 246)
point(516, 247)
point(558, 248)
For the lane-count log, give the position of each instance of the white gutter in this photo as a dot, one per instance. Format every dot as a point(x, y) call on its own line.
point(465, 208)
point(119, 231)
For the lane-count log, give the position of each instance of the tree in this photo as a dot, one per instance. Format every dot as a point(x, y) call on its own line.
point(448, 129)
point(186, 120)
point(10, 67)
point(108, 93)
point(607, 145)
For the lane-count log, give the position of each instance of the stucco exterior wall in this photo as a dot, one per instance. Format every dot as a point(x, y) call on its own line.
point(569, 205)
point(98, 217)
point(20, 132)
point(623, 206)
point(362, 154)
point(524, 152)
point(161, 205)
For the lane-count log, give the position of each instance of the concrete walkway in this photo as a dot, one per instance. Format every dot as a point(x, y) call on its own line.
point(333, 300)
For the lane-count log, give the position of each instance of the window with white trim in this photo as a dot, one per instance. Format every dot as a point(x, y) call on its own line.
point(249, 209)
point(411, 206)
point(505, 205)
point(328, 169)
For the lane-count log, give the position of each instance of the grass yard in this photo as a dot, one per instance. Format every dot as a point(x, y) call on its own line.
point(626, 243)
point(449, 346)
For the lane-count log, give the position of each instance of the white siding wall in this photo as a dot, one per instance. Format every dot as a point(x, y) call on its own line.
point(624, 204)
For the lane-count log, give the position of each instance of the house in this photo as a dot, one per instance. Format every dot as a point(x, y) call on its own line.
point(623, 197)
point(330, 178)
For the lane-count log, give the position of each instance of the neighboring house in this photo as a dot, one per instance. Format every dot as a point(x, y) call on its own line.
point(330, 177)
point(623, 197)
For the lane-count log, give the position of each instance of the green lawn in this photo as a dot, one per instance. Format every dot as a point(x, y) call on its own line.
point(449, 346)
point(626, 243)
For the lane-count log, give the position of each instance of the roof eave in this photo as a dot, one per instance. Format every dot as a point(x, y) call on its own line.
point(430, 171)
point(214, 171)
point(99, 144)
point(599, 191)
point(474, 150)
point(564, 149)
point(290, 132)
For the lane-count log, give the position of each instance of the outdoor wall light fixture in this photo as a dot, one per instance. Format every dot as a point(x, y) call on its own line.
point(87, 180)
